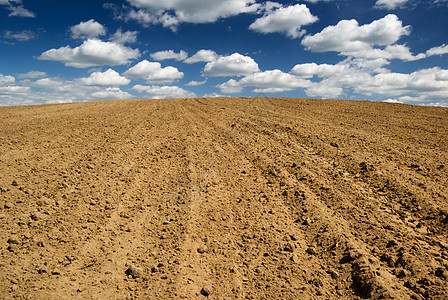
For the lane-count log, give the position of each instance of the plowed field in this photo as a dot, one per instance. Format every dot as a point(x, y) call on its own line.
point(226, 198)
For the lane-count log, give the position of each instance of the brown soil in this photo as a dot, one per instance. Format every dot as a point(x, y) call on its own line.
point(224, 198)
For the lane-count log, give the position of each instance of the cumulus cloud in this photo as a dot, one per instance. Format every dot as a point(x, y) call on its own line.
point(271, 81)
point(17, 9)
point(350, 39)
point(32, 75)
point(108, 78)
point(233, 65)
point(57, 90)
point(212, 95)
point(144, 17)
point(315, 1)
point(230, 87)
point(202, 56)
point(169, 54)
point(21, 36)
point(308, 70)
point(321, 90)
point(13, 90)
point(438, 50)
point(389, 4)
point(193, 11)
point(153, 72)
point(370, 78)
point(87, 30)
point(287, 20)
point(120, 37)
point(6, 79)
point(111, 93)
point(196, 83)
point(155, 91)
point(432, 82)
point(92, 52)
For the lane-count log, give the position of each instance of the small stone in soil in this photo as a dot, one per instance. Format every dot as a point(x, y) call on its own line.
point(206, 290)
point(441, 272)
point(12, 241)
point(202, 249)
point(288, 248)
point(134, 272)
point(311, 251)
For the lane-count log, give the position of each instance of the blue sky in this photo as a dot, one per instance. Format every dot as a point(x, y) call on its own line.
point(69, 51)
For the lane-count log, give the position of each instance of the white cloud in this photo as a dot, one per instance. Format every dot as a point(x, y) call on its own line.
point(373, 66)
point(315, 1)
point(233, 65)
point(273, 81)
point(21, 36)
point(107, 78)
point(438, 50)
point(321, 90)
point(169, 54)
point(92, 53)
point(288, 20)
point(6, 79)
point(155, 91)
point(153, 72)
point(32, 75)
point(267, 82)
point(212, 95)
point(392, 101)
point(170, 13)
point(57, 90)
point(370, 78)
point(389, 4)
point(146, 18)
point(308, 70)
point(230, 87)
point(202, 56)
point(196, 83)
point(120, 37)
point(112, 93)
point(13, 90)
point(350, 39)
point(429, 82)
point(87, 30)
point(51, 83)
point(17, 9)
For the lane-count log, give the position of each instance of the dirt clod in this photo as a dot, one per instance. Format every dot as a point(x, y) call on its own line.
point(202, 249)
point(206, 290)
point(288, 247)
point(441, 272)
point(311, 251)
point(135, 272)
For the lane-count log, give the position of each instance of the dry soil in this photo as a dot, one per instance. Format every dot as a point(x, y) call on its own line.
point(225, 198)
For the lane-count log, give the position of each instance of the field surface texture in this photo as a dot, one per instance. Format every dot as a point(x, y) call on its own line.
point(224, 198)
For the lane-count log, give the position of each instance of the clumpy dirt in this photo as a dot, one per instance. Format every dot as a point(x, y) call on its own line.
point(225, 198)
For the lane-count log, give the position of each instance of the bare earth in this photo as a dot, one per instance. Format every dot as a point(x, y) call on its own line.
point(228, 197)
